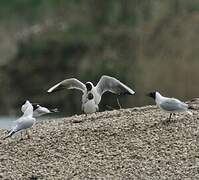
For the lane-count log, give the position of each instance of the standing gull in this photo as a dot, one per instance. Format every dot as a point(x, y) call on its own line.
point(106, 83)
point(170, 105)
point(24, 122)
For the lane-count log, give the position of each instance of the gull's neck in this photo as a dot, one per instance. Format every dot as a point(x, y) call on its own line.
point(159, 98)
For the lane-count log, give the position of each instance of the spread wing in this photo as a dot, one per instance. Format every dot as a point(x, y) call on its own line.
point(71, 83)
point(113, 85)
point(173, 105)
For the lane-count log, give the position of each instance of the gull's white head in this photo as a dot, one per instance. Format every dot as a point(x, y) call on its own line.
point(27, 108)
point(89, 86)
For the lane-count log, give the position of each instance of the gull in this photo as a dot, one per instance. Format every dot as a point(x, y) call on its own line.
point(170, 105)
point(106, 83)
point(89, 106)
point(25, 121)
point(39, 110)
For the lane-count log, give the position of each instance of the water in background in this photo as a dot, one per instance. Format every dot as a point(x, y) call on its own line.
point(6, 122)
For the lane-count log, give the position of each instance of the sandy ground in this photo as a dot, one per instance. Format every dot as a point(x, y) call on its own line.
point(122, 144)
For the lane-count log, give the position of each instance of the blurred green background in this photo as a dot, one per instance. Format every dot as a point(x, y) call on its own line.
point(147, 44)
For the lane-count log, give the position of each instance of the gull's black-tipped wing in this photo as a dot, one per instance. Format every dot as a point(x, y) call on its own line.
point(107, 83)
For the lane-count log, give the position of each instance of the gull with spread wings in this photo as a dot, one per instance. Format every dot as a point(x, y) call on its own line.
point(106, 83)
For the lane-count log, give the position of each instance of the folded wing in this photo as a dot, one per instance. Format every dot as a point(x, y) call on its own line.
point(71, 83)
point(113, 85)
point(20, 124)
point(174, 105)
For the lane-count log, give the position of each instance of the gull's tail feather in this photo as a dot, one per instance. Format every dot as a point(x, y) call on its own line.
point(9, 135)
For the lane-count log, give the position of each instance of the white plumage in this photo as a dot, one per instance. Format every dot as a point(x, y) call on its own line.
point(25, 121)
point(170, 105)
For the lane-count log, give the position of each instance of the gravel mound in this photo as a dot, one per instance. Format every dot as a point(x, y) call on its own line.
point(121, 144)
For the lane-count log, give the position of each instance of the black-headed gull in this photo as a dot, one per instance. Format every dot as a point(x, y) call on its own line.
point(106, 83)
point(39, 110)
point(170, 105)
point(89, 106)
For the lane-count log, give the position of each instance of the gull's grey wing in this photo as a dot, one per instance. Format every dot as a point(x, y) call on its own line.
point(113, 85)
point(23, 123)
point(20, 124)
point(173, 104)
point(71, 83)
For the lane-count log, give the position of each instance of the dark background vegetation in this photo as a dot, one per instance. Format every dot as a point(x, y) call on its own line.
point(147, 44)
